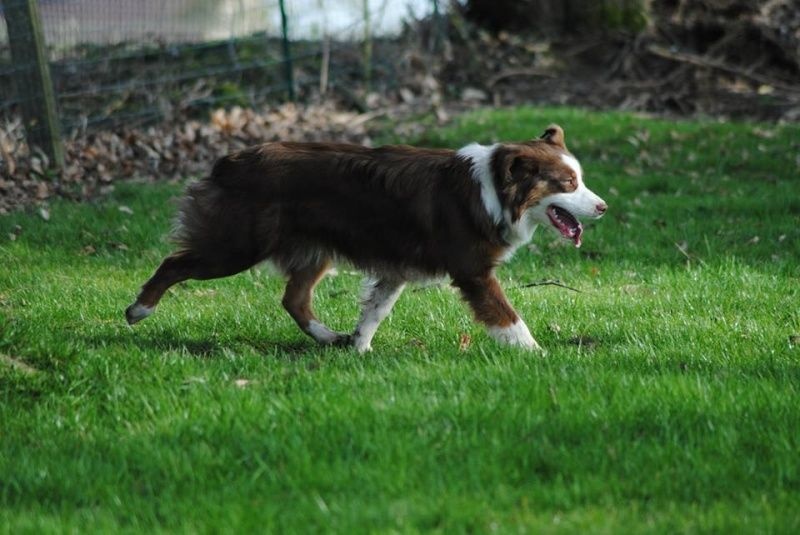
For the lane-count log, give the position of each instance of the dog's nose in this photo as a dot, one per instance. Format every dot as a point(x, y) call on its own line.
point(601, 208)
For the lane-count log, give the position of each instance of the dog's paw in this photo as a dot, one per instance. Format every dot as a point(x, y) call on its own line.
point(324, 336)
point(516, 334)
point(364, 347)
point(137, 312)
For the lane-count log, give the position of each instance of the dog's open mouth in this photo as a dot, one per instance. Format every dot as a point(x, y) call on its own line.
point(566, 223)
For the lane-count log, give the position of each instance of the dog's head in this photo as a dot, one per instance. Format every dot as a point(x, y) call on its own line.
point(540, 180)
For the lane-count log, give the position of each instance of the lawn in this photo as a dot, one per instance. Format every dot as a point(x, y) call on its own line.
point(668, 401)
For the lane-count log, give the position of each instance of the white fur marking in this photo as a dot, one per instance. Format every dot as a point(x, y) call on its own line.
point(378, 302)
point(516, 334)
point(481, 158)
point(519, 233)
point(321, 333)
point(582, 202)
point(573, 162)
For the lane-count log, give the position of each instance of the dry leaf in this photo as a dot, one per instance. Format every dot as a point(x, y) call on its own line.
point(415, 342)
point(464, 342)
point(42, 191)
point(764, 133)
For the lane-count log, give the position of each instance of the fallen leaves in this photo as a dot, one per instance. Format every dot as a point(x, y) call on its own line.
point(169, 150)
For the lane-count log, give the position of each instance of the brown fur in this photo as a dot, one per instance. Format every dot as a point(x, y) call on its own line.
point(396, 212)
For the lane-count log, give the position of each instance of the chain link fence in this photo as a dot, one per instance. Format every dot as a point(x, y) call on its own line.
point(114, 62)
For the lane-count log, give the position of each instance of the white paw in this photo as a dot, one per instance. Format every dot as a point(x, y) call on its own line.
point(516, 334)
point(362, 345)
point(321, 333)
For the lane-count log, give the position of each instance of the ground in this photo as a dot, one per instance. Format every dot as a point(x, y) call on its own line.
point(667, 401)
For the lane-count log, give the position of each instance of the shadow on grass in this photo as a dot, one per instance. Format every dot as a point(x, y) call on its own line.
point(210, 348)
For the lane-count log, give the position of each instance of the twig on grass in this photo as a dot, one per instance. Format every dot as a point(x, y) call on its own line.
point(550, 282)
point(683, 250)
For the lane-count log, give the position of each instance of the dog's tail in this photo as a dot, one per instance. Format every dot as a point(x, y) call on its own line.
point(217, 223)
point(197, 215)
point(221, 212)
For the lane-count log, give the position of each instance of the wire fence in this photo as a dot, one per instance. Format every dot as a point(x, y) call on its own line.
point(115, 62)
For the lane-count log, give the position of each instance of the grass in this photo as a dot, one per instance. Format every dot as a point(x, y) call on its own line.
point(668, 401)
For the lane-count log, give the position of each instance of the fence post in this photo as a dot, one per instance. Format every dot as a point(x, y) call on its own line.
point(437, 27)
point(33, 82)
point(287, 52)
point(367, 46)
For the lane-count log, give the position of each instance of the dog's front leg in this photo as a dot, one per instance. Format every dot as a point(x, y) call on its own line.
point(489, 303)
point(379, 298)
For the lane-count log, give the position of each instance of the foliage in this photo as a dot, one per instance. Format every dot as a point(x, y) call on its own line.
point(558, 18)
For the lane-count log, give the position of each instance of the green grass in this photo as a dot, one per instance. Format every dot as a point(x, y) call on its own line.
point(668, 400)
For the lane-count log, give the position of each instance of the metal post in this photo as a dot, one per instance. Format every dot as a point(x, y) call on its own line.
point(33, 82)
point(367, 47)
point(437, 27)
point(287, 52)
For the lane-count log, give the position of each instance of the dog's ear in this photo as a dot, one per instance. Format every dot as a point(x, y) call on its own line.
point(521, 168)
point(512, 168)
point(555, 136)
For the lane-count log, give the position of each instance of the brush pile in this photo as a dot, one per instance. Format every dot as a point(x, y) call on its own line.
point(719, 56)
point(729, 58)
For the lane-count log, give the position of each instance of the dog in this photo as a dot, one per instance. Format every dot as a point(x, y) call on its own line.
point(397, 213)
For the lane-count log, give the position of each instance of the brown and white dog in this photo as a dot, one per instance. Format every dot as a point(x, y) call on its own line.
point(398, 213)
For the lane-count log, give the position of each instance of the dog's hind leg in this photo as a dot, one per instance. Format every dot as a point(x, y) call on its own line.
point(176, 268)
point(380, 297)
point(297, 301)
